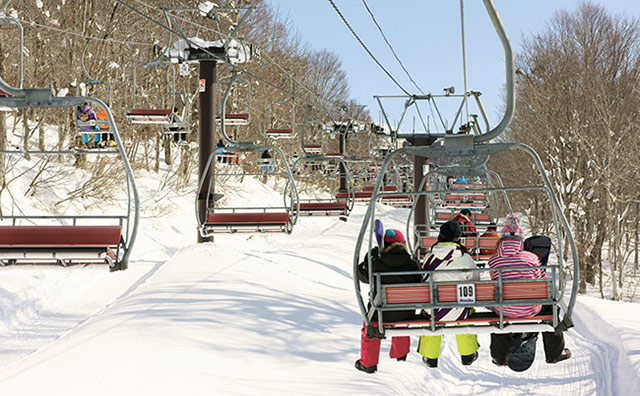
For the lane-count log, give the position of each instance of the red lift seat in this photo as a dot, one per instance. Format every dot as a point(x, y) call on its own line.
point(486, 293)
point(249, 218)
point(248, 222)
point(310, 208)
point(149, 116)
point(62, 244)
point(234, 119)
point(384, 188)
point(466, 197)
point(313, 148)
point(59, 236)
point(279, 133)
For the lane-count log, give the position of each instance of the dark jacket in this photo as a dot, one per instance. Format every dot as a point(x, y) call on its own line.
point(394, 259)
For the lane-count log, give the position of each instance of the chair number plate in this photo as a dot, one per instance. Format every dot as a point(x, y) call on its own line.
point(466, 293)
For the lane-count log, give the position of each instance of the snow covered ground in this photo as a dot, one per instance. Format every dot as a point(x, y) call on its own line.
point(263, 314)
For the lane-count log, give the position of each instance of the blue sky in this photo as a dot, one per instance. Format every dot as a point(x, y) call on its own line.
point(426, 36)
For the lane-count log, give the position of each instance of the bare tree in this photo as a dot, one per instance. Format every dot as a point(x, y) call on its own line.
point(577, 103)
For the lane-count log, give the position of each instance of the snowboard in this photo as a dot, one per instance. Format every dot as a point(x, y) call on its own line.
point(522, 351)
point(378, 230)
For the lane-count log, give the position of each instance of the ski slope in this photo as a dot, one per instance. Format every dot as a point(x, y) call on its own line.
point(263, 314)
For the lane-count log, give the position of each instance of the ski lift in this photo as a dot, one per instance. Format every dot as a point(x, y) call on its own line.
point(439, 213)
point(237, 118)
point(145, 116)
point(68, 239)
point(219, 218)
point(319, 168)
point(432, 295)
point(179, 124)
point(277, 131)
point(92, 122)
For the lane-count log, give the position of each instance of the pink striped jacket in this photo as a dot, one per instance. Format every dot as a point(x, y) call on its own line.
point(510, 253)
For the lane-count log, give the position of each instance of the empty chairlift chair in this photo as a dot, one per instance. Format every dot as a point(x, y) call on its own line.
point(71, 239)
point(241, 117)
point(218, 218)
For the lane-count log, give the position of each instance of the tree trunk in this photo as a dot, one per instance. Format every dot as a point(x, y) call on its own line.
point(156, 165)
point(60, 146)
point(636, 234)
point(41, 141)
point(167, 150)
point(26, 134)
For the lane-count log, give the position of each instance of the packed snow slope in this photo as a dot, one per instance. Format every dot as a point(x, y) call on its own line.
point(263, 314)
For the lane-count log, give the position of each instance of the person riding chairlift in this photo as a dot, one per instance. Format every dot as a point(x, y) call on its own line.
point(85, 113)
point(468, 228)
point(107, 139)
point(174, 120)
point(449, 254)
point(266, 160)
point(511, 253)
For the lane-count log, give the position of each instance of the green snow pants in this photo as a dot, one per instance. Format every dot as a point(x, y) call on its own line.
point(429, 346)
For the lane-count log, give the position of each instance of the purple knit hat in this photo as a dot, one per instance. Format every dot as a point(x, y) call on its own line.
point(391, 236)
point(511, 227)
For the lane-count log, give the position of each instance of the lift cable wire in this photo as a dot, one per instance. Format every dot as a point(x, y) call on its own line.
point(60, 30)
point(190, 42)
point(335, 7)
point(265, 55)
point(464, 60)
point(373, 18)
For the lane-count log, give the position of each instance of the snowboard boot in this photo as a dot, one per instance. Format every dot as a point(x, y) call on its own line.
point(402, 358)
point(566, 354)
point(368, 370)
point(498, 363)
point(431, 363)
point(467, 360)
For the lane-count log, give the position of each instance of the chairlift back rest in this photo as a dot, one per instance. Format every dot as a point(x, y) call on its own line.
point(486, 292)
point(239, 116)
point(384, 188)
point(234, 119)
point(466, 186)
point(466, 197)
point(279, 131)
point(266, 218)
point(328, 208)
point(59, 236)
point(428, 242)
point(476, 217)
point(149, 116)
point(320, 205)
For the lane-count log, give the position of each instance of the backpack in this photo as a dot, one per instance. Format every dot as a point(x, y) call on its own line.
point(539, 245)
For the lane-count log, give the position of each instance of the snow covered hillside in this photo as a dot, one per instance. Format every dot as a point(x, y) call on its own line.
point(263, 314)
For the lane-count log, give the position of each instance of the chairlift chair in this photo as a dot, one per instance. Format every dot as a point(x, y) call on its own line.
point(316, 168)
point(430, 295)
point(280, 130)
point(238, 118)
point(69, 239)
point(147, 116)
point(178, 123)
point(232, 219)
